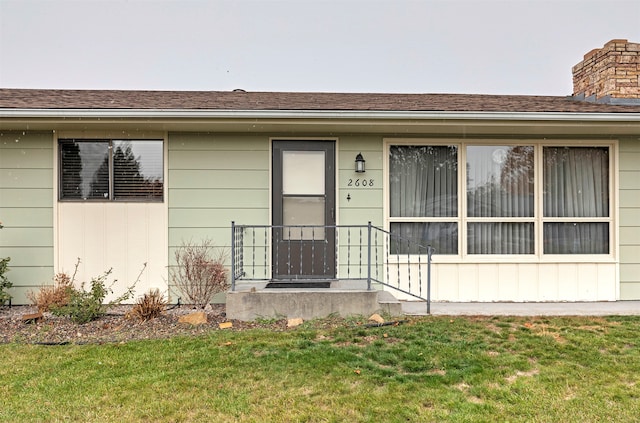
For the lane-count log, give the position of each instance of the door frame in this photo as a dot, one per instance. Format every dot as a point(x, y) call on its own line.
point(277, 208)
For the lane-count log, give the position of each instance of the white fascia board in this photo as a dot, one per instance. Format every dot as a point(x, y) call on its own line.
point(311, 114)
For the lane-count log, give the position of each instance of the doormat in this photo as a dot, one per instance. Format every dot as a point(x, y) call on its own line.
point(299, 284)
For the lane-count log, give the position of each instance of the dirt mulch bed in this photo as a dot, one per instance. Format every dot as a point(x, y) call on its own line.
point(114, 327)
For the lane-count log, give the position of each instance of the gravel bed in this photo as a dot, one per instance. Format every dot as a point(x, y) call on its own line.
point(115, 327)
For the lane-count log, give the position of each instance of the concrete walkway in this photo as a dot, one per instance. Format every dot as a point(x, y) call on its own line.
point(604, 308)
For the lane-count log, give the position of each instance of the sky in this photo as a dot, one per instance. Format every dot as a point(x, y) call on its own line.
point(385, 46)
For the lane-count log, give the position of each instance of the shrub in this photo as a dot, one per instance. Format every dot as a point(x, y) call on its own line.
point(58, 295)
point(151, 305)
point(4, 282)
point(87, 305)
point(197, 274)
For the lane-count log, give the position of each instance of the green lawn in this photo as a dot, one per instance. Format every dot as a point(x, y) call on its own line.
point(428, 369)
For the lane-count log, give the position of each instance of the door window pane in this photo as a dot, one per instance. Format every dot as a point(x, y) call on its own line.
point(303, 172)
point(303, 211)
point(500, 181)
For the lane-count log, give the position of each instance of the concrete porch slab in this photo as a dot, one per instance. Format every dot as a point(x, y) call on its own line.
point(254, 301)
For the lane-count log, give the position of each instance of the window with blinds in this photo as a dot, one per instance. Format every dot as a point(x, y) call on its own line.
point(111, 170)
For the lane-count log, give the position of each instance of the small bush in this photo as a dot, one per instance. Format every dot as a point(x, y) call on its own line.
point(58, 295)
point(151, 305)
point(4, 282)
point(87, 305)
point(197, 274)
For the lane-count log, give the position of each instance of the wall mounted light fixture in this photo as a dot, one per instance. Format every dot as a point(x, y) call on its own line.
point(360, 163)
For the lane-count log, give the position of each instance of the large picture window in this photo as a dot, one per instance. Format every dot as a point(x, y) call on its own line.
point(500, 199)
point(423, 185)
point(516, 199)
point(576, 200)
point(106, 170)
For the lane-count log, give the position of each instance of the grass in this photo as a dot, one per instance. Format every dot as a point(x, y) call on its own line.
point(428, 369)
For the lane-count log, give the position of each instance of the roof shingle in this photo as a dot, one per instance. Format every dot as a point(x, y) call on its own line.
point(297, 101)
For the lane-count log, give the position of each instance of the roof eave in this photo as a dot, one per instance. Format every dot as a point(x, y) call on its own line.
point(312, 114)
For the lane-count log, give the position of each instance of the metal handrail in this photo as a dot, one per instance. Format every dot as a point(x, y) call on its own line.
point(380, 260)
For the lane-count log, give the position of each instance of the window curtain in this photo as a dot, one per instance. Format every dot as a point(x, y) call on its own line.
point(500, 238)
point(423, 182)
point(500, 183)
point(576, 184)
point(414, 238)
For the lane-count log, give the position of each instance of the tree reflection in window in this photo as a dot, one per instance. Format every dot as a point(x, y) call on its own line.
point(111, 170)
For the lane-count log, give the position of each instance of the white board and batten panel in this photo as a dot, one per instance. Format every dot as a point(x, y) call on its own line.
point(511, 282)
point(122, 236)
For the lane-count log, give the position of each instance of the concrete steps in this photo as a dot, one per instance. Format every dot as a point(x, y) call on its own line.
point(252, 301)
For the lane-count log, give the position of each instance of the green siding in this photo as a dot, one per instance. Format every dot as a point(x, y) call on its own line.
point(629, 180)
point(219, 198)
point(219, 160)
point(178, 234)
point(218, 179)
point(366, 203)
point(630, 254)
point(218, 217)
point(26, 198)
point(629, 160)
point(629, 271)
point(26, 257)
point(26, 209)
point(629, 291)
point(361, 198)
point(33, 158)
point(185, 141)
point(26, 217)
point(19, 140)
point(36, 276)
point(630, 235)
point(13, 236)
point(213, 180)
point(629, 219)
point(628, 200)
point(25, 178)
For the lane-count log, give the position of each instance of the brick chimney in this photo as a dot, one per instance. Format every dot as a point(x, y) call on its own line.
point(612, 71)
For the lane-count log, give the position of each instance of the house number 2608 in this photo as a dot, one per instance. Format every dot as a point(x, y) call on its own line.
point(360, 183)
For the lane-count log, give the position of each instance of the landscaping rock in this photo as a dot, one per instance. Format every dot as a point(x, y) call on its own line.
point(292, 323)
point(376, 318)
point(197, 318)
point(32, 317)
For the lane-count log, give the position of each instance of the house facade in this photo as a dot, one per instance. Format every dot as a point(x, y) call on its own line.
point(524, 198)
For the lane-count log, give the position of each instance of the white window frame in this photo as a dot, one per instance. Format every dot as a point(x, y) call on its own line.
point(538, 219)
